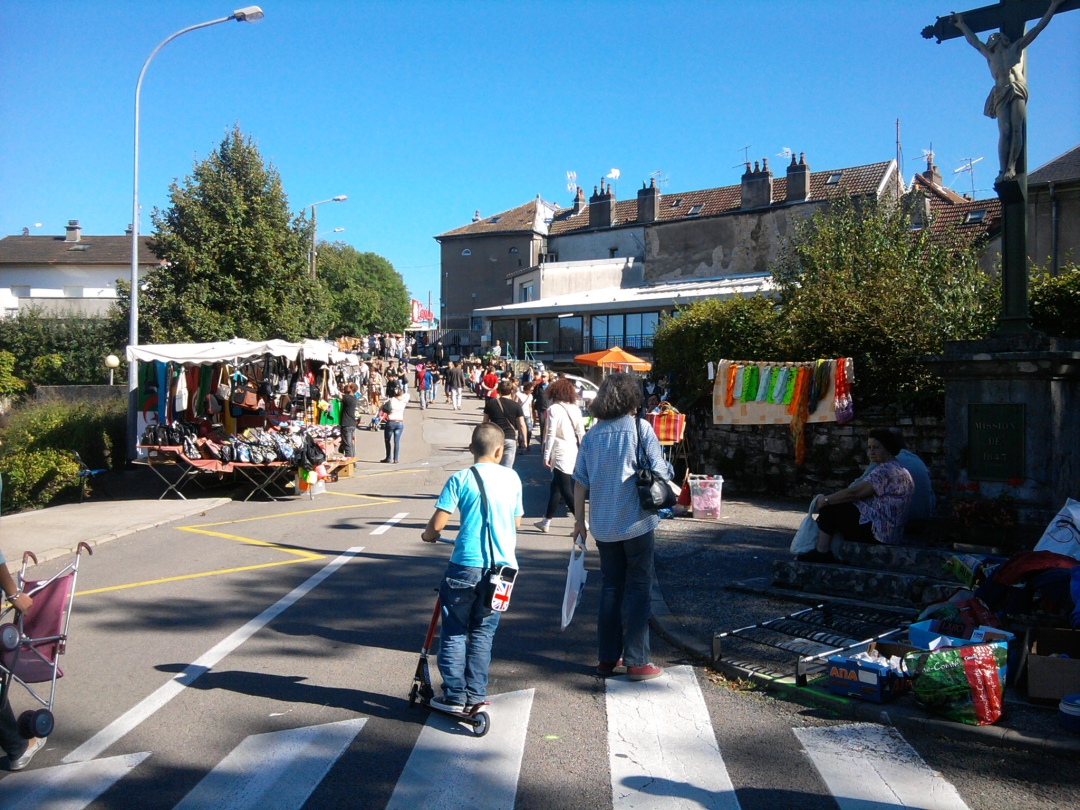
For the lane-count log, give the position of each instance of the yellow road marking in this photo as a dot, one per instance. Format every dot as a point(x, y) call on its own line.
point(307, 555)
point(196, 576)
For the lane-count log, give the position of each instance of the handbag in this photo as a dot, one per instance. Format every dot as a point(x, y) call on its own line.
point(222, 389)
point(654, 492)
point(805, 538)
point(499, 579)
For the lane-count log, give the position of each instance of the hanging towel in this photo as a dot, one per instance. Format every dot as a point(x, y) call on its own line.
point(778, 384)
point(740, 382)
point(763, 384)
point(729, 390)
point(789, 388)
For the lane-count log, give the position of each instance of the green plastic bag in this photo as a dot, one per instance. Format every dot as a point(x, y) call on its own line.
point(960, 683)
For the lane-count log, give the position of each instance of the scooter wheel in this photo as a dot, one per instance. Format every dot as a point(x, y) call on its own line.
point(412, 695)
point(9, 637)
point(481, 724)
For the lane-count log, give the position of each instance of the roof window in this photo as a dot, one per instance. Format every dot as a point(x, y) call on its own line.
point(676, 203)
point(494, 220)
point(694, 210)
point(834, 178)
point(466, 252)
point(79, 247)
point(975, 217)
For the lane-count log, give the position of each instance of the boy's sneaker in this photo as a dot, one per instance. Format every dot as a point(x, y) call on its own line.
point(544, 526)
point(645, 673)
point(32, 748)
point(606, 669)
point(447, 705)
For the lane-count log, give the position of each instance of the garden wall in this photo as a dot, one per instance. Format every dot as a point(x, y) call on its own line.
point(757, 459)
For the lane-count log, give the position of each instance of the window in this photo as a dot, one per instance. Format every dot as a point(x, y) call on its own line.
point(570, 334)
point(20, 290)
point(640, 327)
point(834, 178)
point(494, 220)
point(676, 203)
point(504, 332)
point(466, 252)
point(513, 251)
point(548, 257)
point(547, 335)
point(974, 217)
point(612, 252)
point(694, 211)
point(526, 293)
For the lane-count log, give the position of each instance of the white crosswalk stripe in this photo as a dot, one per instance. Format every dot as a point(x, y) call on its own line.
point(872, 767)
point(65, 787)
point(450, 768)
point(662, 748)
point(273, 771)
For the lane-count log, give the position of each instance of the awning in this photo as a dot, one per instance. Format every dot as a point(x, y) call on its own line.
point(236, 349)
point(613, 357)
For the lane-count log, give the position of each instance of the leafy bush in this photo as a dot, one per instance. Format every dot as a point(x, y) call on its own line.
point(735, 328)
point(1055, 302)
point(37, 457)
point(60, 351)
point(10, 385)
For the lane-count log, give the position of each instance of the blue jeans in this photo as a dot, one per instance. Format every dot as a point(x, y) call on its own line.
point(393, 429)
point(466, 634)
point(626, 571)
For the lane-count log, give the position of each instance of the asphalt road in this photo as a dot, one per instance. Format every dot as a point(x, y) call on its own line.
point(261, 656)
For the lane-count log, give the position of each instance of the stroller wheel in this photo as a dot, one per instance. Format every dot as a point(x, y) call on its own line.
point(481, 723)
point(9, 637)
point(38, 723)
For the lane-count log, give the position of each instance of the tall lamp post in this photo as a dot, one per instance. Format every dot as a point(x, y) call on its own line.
point(314, 238)
point(247, 14)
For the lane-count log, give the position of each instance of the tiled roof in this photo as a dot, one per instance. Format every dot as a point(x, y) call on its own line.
point(951, 221)
point(1063, 167)
point(936, 191)
point(855, 180)
point(89, 250)
point(522, 218)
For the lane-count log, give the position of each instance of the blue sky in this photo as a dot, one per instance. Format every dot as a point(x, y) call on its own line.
point(422, 112)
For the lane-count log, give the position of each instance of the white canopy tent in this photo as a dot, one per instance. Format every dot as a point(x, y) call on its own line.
point(227, 351)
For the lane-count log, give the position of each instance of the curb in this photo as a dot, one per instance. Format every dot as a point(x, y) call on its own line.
point(670, 628)
point(197, 508)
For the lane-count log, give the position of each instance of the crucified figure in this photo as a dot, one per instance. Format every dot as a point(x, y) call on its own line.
point(1007, 102)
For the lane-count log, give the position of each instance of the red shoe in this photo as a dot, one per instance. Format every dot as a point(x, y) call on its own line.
point(606, 669)
point(645, 673)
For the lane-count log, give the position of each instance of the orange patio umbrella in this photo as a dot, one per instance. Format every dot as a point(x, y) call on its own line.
point(613, 357)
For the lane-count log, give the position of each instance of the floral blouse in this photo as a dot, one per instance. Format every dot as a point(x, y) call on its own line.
point(887, 510)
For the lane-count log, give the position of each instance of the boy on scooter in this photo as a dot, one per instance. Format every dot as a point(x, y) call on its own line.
point(468, 625)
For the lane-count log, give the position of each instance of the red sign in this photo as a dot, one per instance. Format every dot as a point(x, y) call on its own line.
point(420, 314)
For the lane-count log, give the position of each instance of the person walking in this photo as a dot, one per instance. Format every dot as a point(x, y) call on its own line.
point(540, 406)
point(455, 384)
point(423, 380)
point(525, 400)
point(347, 419)
point(605, 474)
point(504, 411)
point(489, 383)
point(564, 433)
point(394, 408)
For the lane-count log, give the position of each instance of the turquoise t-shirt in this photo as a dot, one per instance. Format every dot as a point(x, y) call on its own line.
point(504, 499)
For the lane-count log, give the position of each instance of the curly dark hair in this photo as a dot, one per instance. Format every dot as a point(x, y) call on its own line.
point(892, 441)
point(619, 395)
point(561, 391)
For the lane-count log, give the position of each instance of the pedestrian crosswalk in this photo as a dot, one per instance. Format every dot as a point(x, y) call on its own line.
point(663, 754)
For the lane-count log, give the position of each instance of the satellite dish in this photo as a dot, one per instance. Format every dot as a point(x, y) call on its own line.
point(785, 153)
point(614, 174)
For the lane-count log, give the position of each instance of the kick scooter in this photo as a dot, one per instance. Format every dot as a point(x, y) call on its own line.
point(421, 686)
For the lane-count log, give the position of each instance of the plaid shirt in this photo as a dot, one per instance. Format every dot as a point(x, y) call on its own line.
point(607, 466)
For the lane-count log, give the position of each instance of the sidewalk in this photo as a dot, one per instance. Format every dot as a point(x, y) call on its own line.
point(695, 560)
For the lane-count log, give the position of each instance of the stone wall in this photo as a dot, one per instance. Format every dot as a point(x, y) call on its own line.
point(761, 458)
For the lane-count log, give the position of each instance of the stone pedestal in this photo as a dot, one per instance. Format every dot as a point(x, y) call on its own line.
point(1012, 419)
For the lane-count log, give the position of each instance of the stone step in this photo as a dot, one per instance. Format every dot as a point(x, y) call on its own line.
point(926, 562)
point(864, 584)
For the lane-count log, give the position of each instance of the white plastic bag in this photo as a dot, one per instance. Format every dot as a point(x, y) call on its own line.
point(1062, 536)
point(575, 583)
point(806, 537)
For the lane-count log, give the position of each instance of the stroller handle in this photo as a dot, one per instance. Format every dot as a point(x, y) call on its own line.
point(30, 555)
point(79, 549)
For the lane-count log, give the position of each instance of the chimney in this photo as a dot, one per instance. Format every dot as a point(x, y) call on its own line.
point(128, 230)
point(757, 185)
point(579, 201)
point(648, 202)
point(476, 216)
point(601, 206)
point(932, 174)
point(798, 179)
point(74, 232)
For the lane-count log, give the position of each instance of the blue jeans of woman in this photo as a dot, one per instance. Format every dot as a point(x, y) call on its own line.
point(393, 429)
point(626, 571)
point(468, 628)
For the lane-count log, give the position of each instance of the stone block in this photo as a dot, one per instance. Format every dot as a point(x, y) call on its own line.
point(777, 446)
point(846, 442)
point(843, 430)
point(822, 438)
point(926, 421)
point(906, 421)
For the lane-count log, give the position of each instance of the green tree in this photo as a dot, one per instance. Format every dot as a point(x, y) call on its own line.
point(857, 281)
point(236, 260)
point(51, 350)
point(367, 294)
point(1055, 302)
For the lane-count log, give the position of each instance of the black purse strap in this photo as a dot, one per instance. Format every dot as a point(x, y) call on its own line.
point(485, 519)
point(642, 458)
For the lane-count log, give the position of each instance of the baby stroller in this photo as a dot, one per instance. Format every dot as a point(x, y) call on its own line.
point(31, 642)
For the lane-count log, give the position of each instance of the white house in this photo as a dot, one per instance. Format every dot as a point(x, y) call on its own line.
point(66, 274)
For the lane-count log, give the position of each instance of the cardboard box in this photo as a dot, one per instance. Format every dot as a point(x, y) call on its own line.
point(864, 679)
point(1052, 678)
point(924, 638)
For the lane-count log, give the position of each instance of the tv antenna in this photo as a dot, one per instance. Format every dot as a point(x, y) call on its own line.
point(746, 157)
point(571, 182)
point(969, 167)
point(661, 178)
point(785, 153)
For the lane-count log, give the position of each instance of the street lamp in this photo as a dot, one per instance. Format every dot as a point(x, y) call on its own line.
point(336, 230)
point(246, 14)
point(338, 198)
point(112, 362)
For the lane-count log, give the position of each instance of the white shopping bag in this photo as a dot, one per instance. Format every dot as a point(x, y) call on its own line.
point(575, 583)
point(806, 538)
point(1062, 536)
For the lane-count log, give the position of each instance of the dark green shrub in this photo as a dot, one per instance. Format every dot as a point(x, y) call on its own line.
point(36, 458)
point(62, 351)
point(1055, 302)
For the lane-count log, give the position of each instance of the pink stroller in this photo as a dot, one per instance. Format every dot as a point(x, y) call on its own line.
point(31, 644)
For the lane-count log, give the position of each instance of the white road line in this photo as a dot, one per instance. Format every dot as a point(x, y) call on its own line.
point(872, 767)
point(395, 519)
point(273, 771)
point(449, 768)
point(97, 744)
point(65, 787)
point(662, 748)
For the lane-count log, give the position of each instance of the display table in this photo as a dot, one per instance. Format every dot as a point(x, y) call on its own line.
point(160, 459)
point(264, 476)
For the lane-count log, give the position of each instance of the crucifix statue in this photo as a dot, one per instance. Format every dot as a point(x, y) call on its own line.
point(1007, 102)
